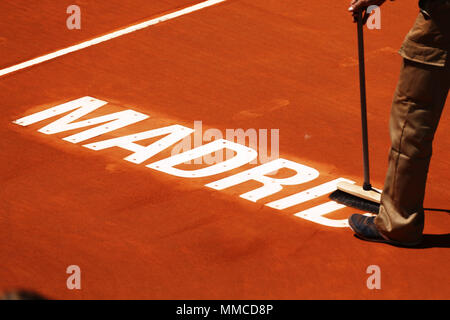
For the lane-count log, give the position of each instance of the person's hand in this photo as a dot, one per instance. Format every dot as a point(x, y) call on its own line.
point(357, 5)
point(362, 5)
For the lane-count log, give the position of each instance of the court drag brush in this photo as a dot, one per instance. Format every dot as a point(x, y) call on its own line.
point(363, 197)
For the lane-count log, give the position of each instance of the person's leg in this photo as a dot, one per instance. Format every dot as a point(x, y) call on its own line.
point(416, 110)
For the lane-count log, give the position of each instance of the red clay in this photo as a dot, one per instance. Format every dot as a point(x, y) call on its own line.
point(138, 233)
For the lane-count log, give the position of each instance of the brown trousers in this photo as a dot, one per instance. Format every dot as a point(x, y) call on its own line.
point(416, 110)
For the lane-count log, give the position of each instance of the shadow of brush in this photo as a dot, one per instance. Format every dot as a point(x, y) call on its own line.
point(439, 210)
point(434, 241)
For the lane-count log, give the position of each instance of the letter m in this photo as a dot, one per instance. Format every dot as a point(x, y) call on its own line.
point(226, 310)
point(81, 107)
point(236, 310)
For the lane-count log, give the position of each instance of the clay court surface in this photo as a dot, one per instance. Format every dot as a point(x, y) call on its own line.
point(138, 233)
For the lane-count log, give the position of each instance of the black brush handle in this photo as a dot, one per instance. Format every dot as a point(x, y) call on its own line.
point(362, 85)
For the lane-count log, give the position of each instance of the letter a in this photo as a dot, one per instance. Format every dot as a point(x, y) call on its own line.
point(374, 281)
point(74, 20)
point(74, 281)
point(374, 21)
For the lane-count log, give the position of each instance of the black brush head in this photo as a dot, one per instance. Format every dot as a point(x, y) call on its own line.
point(355, 202)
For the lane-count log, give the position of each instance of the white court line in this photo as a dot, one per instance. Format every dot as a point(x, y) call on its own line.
point(109, 36)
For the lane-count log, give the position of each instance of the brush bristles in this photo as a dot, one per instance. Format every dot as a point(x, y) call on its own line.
point(355, 202)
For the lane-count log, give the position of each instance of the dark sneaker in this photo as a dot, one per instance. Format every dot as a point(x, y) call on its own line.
point(365, 229)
